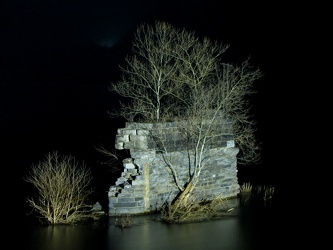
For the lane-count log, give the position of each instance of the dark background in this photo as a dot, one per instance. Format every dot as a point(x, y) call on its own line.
point(57, 59)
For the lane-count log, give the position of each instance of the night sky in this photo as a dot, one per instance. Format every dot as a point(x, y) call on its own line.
point(57, 59)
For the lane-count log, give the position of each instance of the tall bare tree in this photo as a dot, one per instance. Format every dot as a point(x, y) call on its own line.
point(175, 75)
point(148, 78)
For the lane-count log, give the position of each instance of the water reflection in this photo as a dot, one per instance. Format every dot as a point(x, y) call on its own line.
point(64, 237)
point(242, 231)
point(224, 233)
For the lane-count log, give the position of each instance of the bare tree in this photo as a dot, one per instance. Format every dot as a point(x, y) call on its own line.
point(236, 85)
point(175, 75)
point(211, 106)
point(62, 190)
point(148, 79)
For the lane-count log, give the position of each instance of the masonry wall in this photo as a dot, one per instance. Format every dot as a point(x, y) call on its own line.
point(146, 182)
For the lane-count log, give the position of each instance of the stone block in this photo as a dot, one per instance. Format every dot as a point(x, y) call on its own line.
point(137, 182)
point(125, 199)
point(113, 199)
point(125, 204)
point(129, 131)
point(122, 138)
point(144, 132)
point(119, 145)
point(230, 144)
point(129, 145)
point(129, 165)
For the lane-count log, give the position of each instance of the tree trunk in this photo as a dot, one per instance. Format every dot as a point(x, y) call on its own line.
point(182, 199)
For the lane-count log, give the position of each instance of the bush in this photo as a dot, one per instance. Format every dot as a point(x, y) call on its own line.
point(63, 190)
point(195, 211)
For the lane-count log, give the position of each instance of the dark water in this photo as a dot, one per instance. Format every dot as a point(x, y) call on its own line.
point(249, 226)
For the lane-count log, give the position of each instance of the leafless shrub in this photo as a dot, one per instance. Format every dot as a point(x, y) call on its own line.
point(62, 190)
point(261, 192)
point(124, 221)
point(195, 211)
point(266, 192)
point(246, 187)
